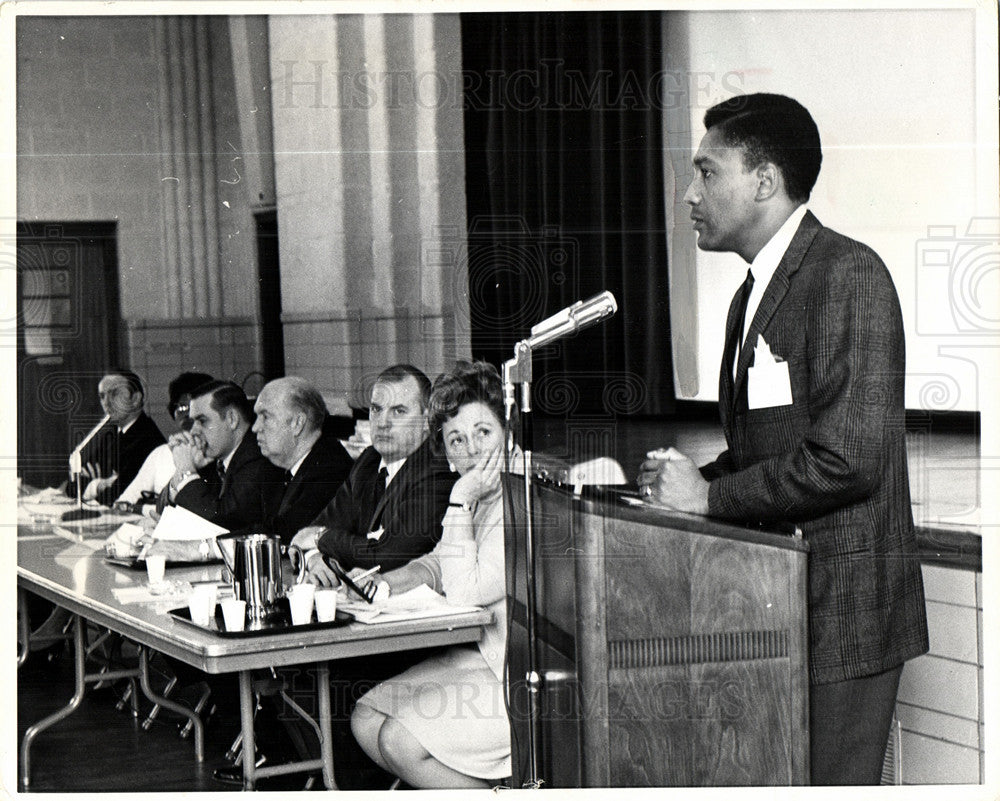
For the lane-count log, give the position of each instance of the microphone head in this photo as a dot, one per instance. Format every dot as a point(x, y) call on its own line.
point(608, 299)
point(594, 310)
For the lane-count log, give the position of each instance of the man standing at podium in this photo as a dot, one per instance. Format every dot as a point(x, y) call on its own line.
point(811, 403)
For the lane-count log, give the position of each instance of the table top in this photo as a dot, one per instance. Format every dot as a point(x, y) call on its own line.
point(65, 563)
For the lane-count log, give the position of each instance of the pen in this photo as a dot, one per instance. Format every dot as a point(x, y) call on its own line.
point(367, 573)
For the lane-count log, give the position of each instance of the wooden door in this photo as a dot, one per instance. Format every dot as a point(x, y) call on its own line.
point(68, 334)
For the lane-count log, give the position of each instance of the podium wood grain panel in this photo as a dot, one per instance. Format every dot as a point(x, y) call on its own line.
point(686, 652)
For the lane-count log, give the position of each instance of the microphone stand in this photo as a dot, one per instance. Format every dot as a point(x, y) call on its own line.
point(580, 315)
point(518, 371)
point(76, 470)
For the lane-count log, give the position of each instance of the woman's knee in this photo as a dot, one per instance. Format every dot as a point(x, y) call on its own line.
point(365, 725)
point(399, 746)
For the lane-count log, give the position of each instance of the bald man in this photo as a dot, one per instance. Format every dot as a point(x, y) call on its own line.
point(294, 433)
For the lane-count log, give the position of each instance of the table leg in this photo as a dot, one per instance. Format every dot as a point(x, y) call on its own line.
point(325, 726)
point(246, 726)
point(166, 703)
point(55, 717)
point(23, 628)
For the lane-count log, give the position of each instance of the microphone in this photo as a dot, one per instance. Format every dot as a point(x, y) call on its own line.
point(75, 462)
point(76, 468)
point(582, 314)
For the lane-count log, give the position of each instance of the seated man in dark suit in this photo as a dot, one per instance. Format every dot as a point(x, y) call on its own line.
point(390, 508)
point(113, 458)
point(247, 488)
point(292, 432)
point(158, 468)
point(387, 512)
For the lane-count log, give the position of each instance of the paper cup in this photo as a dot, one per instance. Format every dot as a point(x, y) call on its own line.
point(234, 612)
point(300, 602)
point(326, 605)
point(156, 565)
point(201, 604)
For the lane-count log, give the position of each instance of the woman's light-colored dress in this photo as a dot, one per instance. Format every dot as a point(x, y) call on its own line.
point(453, 703)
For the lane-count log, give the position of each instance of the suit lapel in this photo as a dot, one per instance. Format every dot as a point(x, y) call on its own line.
point(775, 293)
point(292, 490)
point(398, 483)
point(242, 454)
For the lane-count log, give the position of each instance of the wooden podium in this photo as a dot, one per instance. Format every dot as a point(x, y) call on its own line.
point(672, 648)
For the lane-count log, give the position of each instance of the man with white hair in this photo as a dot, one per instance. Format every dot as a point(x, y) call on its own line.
point(293, 432)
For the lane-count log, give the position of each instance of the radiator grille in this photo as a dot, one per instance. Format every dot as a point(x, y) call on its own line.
point(722, 646)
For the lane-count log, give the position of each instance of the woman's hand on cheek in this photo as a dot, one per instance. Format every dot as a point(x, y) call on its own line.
point(481, 480)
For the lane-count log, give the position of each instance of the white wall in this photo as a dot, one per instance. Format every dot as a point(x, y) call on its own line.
point(905, 101)
point(370, 186)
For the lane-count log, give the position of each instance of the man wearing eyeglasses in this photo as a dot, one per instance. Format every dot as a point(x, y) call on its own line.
point(113, 458)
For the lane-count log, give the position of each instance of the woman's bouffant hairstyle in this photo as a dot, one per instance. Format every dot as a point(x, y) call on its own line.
point(468, 382)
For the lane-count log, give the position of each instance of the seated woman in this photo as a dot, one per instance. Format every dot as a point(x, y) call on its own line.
point(443, 722)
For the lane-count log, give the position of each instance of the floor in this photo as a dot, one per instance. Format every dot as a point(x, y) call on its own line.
point(102, 748)
point(98, 747)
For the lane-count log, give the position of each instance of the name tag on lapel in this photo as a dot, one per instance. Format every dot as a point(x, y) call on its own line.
point(768, 382)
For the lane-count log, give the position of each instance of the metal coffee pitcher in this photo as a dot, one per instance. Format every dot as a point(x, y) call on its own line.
point(254, 560)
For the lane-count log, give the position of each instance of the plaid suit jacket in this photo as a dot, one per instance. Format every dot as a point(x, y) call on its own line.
point(834, 461)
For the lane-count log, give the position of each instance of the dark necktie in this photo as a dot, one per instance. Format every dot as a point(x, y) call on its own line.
point(735, 347)
point(380, 482)
point(377, 495)
point(220, 468)
point(288, 477)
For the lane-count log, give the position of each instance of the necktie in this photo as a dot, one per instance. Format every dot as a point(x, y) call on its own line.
point(736, 345)
point(288, 477)
point(374, 529)
point(380, 482)
point(220, 468)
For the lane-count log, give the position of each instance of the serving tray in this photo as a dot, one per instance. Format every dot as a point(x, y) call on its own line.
point(279, 622)
point(135, 563)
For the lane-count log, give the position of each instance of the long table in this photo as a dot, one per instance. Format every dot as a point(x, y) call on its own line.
point(75, 576)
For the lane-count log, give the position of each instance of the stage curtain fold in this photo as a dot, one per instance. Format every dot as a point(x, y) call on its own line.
point(564, 184)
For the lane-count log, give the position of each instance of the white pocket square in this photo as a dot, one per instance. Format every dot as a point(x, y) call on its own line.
point(768, 382)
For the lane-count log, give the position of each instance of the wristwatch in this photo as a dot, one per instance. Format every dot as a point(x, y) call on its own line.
point(183, 477)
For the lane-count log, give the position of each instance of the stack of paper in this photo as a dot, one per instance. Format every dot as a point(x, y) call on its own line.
point(177, 523)
point(173, 592)
point(414, 604)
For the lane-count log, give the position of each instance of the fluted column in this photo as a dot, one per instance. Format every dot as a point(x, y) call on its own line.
point(188, 151)
point(370, 182)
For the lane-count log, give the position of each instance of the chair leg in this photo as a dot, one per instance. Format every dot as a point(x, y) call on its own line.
point(130, 697)
point(235, 752)
point(155, 711)
point(186, 729)
point(126, 698)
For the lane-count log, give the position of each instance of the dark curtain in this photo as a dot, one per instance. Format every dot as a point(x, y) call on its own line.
point(564, 179)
